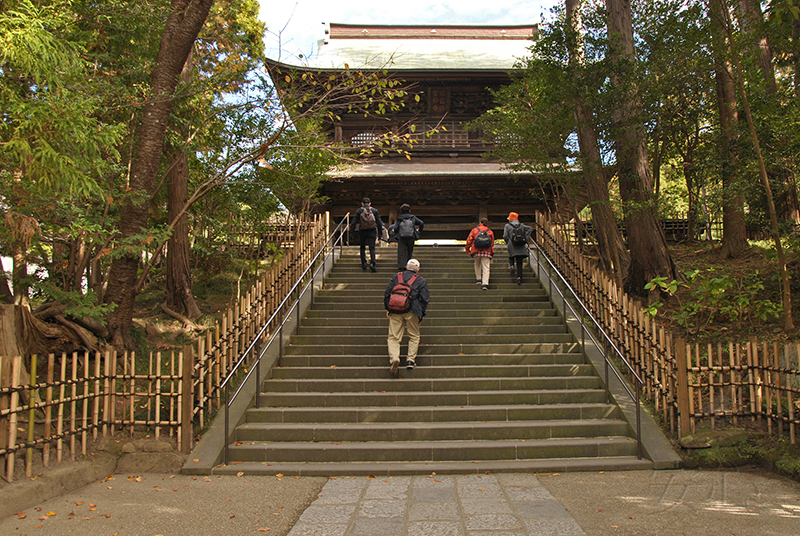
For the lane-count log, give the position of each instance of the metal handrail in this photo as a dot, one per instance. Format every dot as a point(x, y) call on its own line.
point(336, 238)
point(636, 397)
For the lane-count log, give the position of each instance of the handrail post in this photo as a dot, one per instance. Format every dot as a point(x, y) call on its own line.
point(227, 426)
point(639, 419)
point(280, 346)
point(258, 382)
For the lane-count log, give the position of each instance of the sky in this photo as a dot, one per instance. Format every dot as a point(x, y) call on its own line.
point(294, 26)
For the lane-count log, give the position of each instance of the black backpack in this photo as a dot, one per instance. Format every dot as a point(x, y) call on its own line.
point(367, 220)
point(518, 235)
point(482, 240)
point(398, 299)
point(406, 228)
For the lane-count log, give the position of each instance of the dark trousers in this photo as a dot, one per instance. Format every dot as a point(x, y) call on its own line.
point(519, 260)
point(367, 238)
point(405, 250)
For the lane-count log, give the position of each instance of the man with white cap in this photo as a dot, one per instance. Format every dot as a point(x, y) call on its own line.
point(406, 299)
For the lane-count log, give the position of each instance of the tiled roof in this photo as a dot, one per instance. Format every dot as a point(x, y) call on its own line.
point(423, 47)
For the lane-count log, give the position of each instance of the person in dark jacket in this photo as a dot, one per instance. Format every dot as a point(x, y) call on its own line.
point(367, 237)
point(406, 234)
point(517, 253)
point(482, 256)
point(419, 298)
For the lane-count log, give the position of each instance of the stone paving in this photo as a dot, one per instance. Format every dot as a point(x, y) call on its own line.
point(446, 505)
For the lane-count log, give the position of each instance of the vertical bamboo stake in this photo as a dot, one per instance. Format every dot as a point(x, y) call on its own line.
point(734, 403)
point(132, 392)
point(96, 396)
point(107, 418)
point(751, 378)
point(721, 406)
point(790, 393)
point(691, 380)
point(711, 407)
point(767, 382)
point(157, 415)
point(684, 401)
point(85, 404)
point(185, 399)
point(16, 366)
point(777, 389)
point(113, 401)
point(172, 394)
point(73, 404)
point(61, 392)
point(31, 418)
point(48, 410)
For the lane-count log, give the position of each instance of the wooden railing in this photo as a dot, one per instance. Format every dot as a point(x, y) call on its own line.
point(691, 386)
point(85, 394)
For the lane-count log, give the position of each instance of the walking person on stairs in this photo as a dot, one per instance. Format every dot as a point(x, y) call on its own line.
point(406, 228)
point(480, 246)
point(370, 226)
point(516, 235)
point(405, 299)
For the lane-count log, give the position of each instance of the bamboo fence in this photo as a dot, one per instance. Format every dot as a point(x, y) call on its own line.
point(691, 386)
point(72, 398)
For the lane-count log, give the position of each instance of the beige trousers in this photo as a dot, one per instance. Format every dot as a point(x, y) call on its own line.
point(398, 323)
point(482, 267)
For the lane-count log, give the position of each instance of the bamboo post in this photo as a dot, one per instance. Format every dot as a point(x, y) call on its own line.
point(61, 393)
point(107, 417)
point(48, 410)
point(96, 396)
point(73, 404)
point(16, 366)
point(767, 382)
point(711, 407)
point(172, 395)
point(734, 382)
point(691, 384)
point(85, 404)
point(751, 378)
point(777, 386)
point(31, 418)
point(185, 399)
point(132, 393)
point(683, 388)
point(157, 416)
point(790, 392)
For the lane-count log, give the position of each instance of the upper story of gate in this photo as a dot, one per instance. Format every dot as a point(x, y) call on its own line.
point(448, 71)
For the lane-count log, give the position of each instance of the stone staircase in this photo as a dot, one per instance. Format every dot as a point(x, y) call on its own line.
point(500, 384)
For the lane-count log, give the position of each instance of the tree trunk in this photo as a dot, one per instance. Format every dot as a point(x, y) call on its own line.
point(179, 297)
point(611, 247)
point(650, 257)
point(734, 232)
point(184, 23)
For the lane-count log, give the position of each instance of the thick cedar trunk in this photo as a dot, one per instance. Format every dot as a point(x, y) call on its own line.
point(609, 239)
point(182, 27)
point(650, 257)
point(179, 295)
point(734, 233)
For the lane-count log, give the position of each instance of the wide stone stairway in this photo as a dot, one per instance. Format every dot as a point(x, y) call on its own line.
point(500, 383)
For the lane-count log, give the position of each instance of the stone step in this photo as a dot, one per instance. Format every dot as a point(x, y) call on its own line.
point(440, 431)
point(438, 336)
point(452, 361)
point(479, 467)
point(463, 371)
point(425, 385)
point(560, 342)
point(493, 330)
point(432, 414)
point(432, 451)
point(448, 398)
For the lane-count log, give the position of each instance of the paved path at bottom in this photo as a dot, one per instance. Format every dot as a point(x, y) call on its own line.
point(446, 505)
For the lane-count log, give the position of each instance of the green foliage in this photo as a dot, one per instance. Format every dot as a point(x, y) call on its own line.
point(716, 297)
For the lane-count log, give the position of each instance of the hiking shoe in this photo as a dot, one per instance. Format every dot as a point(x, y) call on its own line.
point(477, 281)
point(373, 268)
point(363, 266)
point(519, 281)
point(393, 369)
point(410, 364)
point(485, 287)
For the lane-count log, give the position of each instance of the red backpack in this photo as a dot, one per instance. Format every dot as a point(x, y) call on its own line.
point(398, 300)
